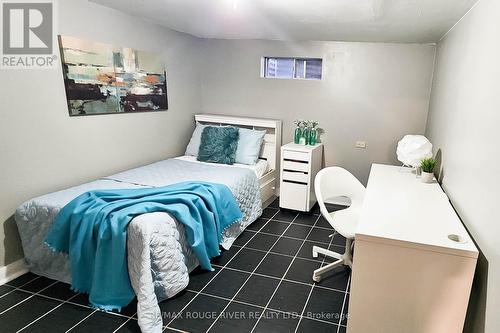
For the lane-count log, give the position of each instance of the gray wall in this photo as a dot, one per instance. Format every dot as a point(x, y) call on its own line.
point(42, 149)
point(374, 92)
point(463, 123)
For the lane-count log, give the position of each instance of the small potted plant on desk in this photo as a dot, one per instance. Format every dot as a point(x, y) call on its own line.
point(427, 166)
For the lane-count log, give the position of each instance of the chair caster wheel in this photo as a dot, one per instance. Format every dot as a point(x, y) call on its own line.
point(316, 278)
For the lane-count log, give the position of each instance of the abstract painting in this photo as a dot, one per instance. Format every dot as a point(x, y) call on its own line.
point(102, 79)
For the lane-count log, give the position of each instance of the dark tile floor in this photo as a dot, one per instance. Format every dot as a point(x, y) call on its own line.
point(262, 284)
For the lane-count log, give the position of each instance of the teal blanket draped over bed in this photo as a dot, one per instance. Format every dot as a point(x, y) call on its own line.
point(92, 230)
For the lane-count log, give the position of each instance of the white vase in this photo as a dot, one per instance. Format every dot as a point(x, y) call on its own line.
point(427, 177)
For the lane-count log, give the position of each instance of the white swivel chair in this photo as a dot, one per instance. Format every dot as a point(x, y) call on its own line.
point(338, 182)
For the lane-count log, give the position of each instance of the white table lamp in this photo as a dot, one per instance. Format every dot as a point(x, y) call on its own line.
point(412, 149)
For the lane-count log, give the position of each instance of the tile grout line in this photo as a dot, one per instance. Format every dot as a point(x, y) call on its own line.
point(296, 238)
point(304, 309)
point(29, 281)
point(236, 301)
point(307, 225)
point(38, 293)
point(118, 328)
point(256, 267)
point(277, 278)
point(108, 312)
point(312, 287)
point(62, 302)
point(284, 274)
point(261, 307)
point(190, 301)
point(27, 298)
point(126, 321)
point(343, 304)
point(81, 321)
point(286, 255)
point(13, 306)
point(19, 287)
point(177, 330)
point(37, 319)
point(68, 301)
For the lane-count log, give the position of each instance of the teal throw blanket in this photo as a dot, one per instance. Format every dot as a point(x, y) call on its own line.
point(92, 230)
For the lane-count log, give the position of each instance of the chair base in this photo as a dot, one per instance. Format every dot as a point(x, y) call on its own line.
point(342, 259)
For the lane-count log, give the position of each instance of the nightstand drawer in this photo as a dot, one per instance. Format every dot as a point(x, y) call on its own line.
point(296, 155)
point(300, 177)
point(293, 196)
point(295, 166)
point(299, 166)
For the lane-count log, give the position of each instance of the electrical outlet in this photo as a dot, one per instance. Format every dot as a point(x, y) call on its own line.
point(360, 144)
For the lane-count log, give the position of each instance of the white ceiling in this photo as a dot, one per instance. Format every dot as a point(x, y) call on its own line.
point(418, 21)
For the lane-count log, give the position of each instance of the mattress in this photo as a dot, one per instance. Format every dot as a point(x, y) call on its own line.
point(159, 258)
point(260, 168)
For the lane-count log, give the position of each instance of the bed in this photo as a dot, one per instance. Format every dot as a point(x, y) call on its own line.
point(270, 151)
point(159, 259)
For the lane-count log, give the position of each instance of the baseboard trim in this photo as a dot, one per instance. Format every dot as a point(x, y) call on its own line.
point(12, 271)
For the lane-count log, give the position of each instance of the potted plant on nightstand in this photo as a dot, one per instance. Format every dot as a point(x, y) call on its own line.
point(300, 126)
point(427, 166)
point(313, 132)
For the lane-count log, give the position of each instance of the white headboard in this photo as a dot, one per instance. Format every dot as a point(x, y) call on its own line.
point(272, 140)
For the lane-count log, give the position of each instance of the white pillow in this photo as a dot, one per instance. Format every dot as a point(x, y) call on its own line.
point(249, 146)
point(194, 144)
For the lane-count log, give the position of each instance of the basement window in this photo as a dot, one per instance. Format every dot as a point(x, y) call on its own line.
point(291, 68)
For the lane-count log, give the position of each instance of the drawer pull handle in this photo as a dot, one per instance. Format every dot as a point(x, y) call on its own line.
point(296, 161)
point(295, 171)
point(294, 182)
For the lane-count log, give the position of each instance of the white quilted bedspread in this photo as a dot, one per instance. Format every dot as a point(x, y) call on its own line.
point(159, 258)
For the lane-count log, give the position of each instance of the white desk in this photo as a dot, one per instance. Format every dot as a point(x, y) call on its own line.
point(408, 276)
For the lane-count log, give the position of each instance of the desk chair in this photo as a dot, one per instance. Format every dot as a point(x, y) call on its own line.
point(338, 182)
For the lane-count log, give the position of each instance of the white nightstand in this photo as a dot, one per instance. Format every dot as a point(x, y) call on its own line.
point(299, 166)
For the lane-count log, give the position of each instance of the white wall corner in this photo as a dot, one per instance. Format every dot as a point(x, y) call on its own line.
point(12, 271)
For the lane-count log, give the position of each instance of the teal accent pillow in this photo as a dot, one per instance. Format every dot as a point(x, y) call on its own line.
point(249, 146)
point(218, 144)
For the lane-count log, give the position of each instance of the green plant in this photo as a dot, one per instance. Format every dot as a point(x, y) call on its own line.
point(312, 123)
point(300, 123)
point(428, 164)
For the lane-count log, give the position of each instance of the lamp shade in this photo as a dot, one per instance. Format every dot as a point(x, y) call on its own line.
point(412, 149)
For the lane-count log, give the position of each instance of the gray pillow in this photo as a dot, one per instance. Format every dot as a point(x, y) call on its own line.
point(194, 144)
point(249, 146)
point(218, 145)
